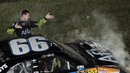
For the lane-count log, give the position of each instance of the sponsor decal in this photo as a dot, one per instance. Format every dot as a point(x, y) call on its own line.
point(3, 67)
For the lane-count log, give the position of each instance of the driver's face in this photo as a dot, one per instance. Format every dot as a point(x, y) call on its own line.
point(26, 16)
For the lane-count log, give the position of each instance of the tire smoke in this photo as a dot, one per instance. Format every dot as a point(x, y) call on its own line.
point(107, 34)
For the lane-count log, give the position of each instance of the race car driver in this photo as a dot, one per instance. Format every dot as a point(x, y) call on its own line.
point(23, 26)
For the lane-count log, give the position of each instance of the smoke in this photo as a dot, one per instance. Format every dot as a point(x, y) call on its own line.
point(112, 39)
point(106, 32)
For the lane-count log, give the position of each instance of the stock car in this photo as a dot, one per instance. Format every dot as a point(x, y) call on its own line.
point(36, 54)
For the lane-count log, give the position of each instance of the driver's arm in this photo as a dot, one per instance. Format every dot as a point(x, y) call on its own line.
point(42, 21)
point(11, 29)
point(38, 23)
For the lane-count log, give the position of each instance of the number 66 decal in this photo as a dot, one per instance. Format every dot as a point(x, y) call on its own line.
point(23, 46)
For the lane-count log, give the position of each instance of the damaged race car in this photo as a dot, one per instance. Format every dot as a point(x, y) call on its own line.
point(36, 54)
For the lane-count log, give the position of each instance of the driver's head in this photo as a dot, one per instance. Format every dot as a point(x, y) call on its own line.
point(25, 15)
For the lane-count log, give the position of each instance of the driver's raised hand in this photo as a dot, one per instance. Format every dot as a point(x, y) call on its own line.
point(49, 16)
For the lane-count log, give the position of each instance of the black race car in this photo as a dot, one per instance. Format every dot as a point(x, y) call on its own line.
point(36, 54)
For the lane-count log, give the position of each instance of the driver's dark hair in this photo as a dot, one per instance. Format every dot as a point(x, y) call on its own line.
point(24, 12)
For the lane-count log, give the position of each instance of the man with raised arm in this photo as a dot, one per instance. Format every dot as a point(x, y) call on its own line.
point(23, 26)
